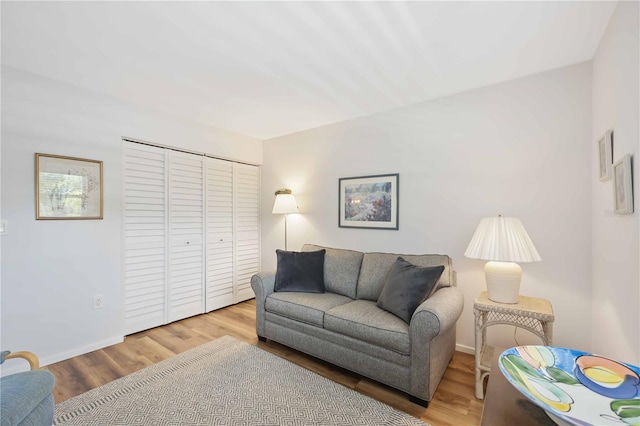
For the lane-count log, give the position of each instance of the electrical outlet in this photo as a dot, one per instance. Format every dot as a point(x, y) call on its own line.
point(98, 301)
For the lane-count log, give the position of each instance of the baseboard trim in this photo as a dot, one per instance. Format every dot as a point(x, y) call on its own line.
point(465, 349)
point(52, 359)
point(6, 370)
point(81, 350)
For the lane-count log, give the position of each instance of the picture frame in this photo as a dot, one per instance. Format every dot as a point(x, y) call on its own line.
point(369, 202)
point(68, 188)
point(605, 150)
point(623, 186)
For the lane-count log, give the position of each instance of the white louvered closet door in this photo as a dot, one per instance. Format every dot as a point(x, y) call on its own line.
point(219, 217)
point(246, 228)
point(145, 232)
point(186, 230)
point(191, 234)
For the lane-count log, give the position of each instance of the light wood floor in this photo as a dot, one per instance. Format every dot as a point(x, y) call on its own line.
point(453, 404)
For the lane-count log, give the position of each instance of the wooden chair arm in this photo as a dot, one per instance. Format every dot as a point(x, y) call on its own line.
point(31, 358)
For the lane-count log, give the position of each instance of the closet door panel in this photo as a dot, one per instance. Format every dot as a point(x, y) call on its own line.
point(145, 236)
point(186, 228)
point(247, 228)
point(220, 276)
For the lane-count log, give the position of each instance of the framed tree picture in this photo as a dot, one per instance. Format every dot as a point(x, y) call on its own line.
point(68, 187)
point(623, 186)
point(369, 202)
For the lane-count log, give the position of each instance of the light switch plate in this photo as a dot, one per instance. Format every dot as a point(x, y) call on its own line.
point(3, 227)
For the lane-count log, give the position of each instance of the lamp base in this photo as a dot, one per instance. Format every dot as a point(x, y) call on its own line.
point(503, 281)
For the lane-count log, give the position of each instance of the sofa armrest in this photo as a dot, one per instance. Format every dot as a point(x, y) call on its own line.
point(433, 339)
point(263, 284)
point(439, 312)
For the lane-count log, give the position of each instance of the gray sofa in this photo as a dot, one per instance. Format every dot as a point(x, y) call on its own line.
point(344, 326)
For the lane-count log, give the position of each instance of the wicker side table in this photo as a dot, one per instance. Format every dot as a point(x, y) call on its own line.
point(530, 313)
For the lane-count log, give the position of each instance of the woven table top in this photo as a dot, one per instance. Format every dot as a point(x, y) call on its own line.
point(533, 307)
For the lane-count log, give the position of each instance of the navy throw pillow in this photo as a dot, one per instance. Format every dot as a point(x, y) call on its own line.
point(407, 286)
point(300, 271)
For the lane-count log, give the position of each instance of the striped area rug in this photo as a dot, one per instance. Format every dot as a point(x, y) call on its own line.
point(226, 382)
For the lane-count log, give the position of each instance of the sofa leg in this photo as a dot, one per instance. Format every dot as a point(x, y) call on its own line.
point(262, 339)
point(419, 401)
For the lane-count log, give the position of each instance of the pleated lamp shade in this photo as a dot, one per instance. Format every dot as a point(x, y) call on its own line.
point(503, 241)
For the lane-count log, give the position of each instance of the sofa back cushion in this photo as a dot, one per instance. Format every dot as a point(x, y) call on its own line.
point(376, 267)
point(341, 269)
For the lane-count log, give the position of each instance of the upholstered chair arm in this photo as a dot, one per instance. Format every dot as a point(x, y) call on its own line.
point(433, 337)
point(26, 398)
point(263, 284)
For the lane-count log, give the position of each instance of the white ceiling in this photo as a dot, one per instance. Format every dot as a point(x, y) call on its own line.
point(266, 69)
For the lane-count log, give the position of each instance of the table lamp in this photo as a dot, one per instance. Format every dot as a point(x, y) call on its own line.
point(502, 241)
point(285, 203)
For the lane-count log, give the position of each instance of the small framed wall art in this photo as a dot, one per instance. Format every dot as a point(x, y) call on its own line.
point(369, 202)
point(605, 150)
point(68, 187)
point(623, 186)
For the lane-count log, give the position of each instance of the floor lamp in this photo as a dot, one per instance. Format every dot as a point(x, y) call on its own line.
point(285, 203)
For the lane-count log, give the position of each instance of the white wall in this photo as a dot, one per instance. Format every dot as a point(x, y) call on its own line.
point(52, 269)
point(616, 280)
point(520, 148)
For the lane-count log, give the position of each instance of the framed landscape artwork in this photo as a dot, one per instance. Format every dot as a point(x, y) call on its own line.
point(605, 150)
point(68, 188)
point(623, 186)
point(369, 202)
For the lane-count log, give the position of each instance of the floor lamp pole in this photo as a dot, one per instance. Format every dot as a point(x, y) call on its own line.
point(285, 232)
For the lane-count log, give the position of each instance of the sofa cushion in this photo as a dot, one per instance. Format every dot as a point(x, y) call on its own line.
point(341, 269)
point(407, 287)
point(376, 267)
point(357, 345)
point(363, 320)
point(306, 307)
point(301, 272)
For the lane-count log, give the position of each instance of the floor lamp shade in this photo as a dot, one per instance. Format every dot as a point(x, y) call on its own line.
point(285, 203)
point(502, 241)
